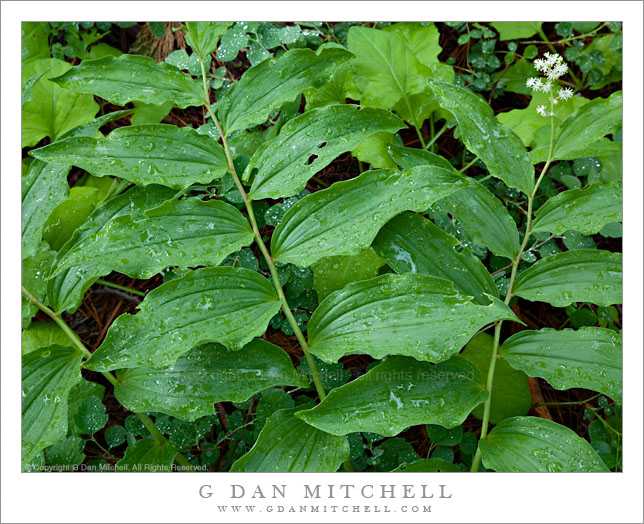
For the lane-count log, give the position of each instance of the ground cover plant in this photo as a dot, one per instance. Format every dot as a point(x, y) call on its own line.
point(321, 246)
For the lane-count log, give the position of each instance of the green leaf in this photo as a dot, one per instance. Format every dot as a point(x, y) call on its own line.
point(65, 290)
point(28, 87)
point(182, 233)
point(35, 41)
point(35, 271)
point(333, 273)
point(68, 453)
point(582, 275)
point(495, 144)
point(516, 30)
point(204, 36)
point(43, 188)
point(432, 465)
point(150, 113)
point(374, 150)
point(412, 315)
point(510, 392)
point(47, 376)
point(399, 393)
point(585, 210)
point(530, 125)
point(386, 70)
point(345, 218)
point(52, 110)
point(288, 444)
point(513, 79)
point(485, 219)
point(422, 40)
point(408, 157)
point(114, 436)
point(148, 455)
point(392, 452)
point(42, 334)
point(91, 416)
point(411, 243)
point(205, 375)
point(589, 358)
point(308, 143)
point(144, 154)
point(581, 135)
point(531, 444)
point(267, 86)
point(130, 78)
point(78, 395)
point(69, 215)
point(222, 304)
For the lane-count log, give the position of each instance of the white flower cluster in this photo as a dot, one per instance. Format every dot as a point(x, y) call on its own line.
point(553, 67)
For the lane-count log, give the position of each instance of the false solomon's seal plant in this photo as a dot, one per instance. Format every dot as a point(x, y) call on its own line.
point(197, 340)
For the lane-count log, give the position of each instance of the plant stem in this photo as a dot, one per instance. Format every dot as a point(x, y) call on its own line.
point(469, 164)
point(571, 403)
point(436, 136)
point(119, 286)
point(515, 264)
point(262, 247)
point(147, 421)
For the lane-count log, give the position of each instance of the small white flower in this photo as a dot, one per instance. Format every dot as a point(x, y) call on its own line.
point(555, 101)
point(531, 82)
point(565, 93)
point(542, 110)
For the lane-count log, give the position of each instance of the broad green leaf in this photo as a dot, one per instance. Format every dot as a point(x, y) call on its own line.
point(495, 144)
point(288, 444)
point(204, 36)
point(432, 465)
point(68, 453)
point(412, 244)
point(222, 304)
point(207, 374)
point(47, 376)
point(513, 79)
point(70, 215)
point(386, 70)
point(585, 210)
point(183, 233)
point(144, 154)
point(150, 113)
point(408, 157)
point(516, 30)
point(374, 151)
point(28, 87)
point(42, 334)
point(582, 275)
point(483, 216)
point(333, 92)
point(35, 271)
point(268, 85)
point(589, 358)
point(65, 290)
point(422, 40)
point(531, 444)
point(35, 41)
point(91, 416)
point(148, 455)
point(308, 143)
point(52, 110)
point(413, 315)
point(333, 273)
point(510, 391)
point(581, 135)
point(78, 395)
point(43, 189)
point(345, 218)
point(399, 393)
point(485, 219)
point(130, 78)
